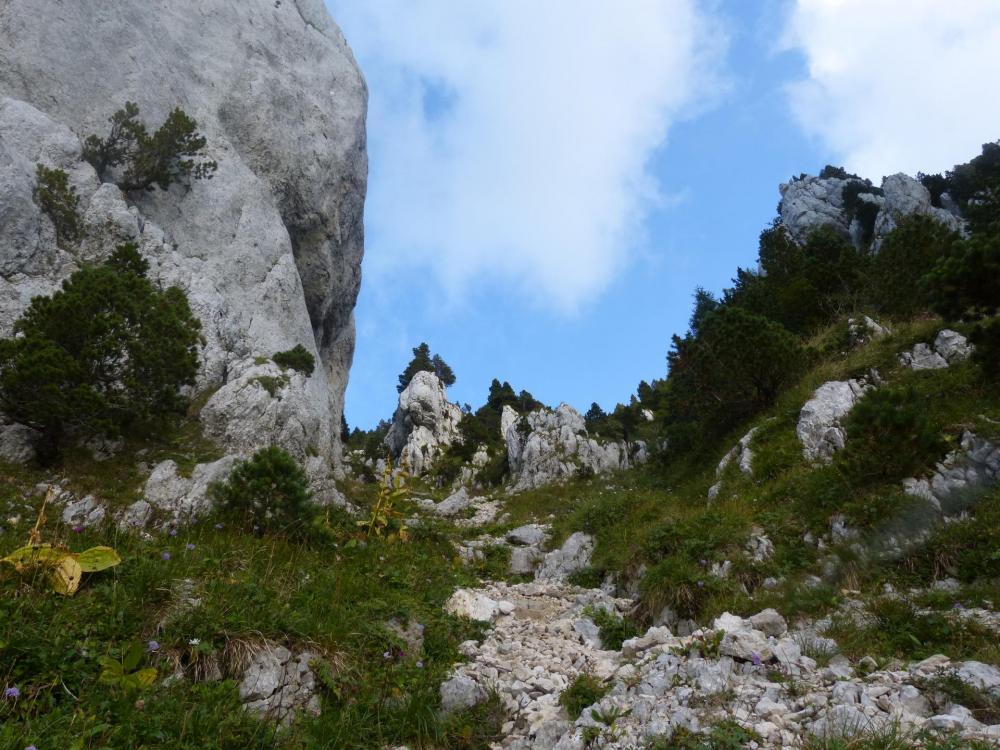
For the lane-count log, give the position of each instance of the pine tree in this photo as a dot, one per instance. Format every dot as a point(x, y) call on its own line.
point(445, 374)
point(421, 362)
point(107, 350)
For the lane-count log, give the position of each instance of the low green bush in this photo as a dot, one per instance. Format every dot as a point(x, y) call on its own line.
point(268, 493)
point(614, 628)
point(297, 358)
point(986, 338)
point(584, 691)
point(728, 735)
point(889, 437)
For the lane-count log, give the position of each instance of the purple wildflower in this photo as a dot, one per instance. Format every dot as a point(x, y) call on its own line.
point(165, 555)
point(153, 646)
point(78, 529)
point(12, 692)
point(189, 546)
point(756, 658)
point(957, 605)
point(387, 655)
point(173, 532)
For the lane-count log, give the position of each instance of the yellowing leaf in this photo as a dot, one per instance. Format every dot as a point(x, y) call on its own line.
point(97, 558)
point(32, 555)
point(65, 576)
point(145, 677)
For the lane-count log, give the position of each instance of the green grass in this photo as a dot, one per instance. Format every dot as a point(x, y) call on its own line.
point(898, 629)
point(727, 735)
point(892, 738)
point(319, 594)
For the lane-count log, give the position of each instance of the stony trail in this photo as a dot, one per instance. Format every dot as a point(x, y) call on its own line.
point(783, 685)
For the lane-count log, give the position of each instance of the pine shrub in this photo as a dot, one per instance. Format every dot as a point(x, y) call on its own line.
point(268, 493)
point(58, 199)
point(297, 358)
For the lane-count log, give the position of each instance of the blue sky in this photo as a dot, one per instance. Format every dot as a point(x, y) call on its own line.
point(550, 181)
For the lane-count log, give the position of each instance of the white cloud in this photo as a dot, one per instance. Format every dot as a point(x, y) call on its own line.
point(898, 85)
point(510, 138)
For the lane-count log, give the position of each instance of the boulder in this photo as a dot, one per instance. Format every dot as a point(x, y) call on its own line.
point(769, 622)
point(460, 692)
point(962, 474)
point(819, 428)
point(741, 454)
point(453, 504)
point(424, 424)
point(865, 329)
point(573, 556)
point(530, 535)
point(985, 677)
point(17, 443)
point(268, 251)
point(472, 604)
point(83, 512)
point(948, 348)
point(181, 498)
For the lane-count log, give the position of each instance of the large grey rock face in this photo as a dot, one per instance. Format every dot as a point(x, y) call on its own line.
point(905, 196)
point(550, 445)
point(813, 202)
point(269, 250)
point(425, 423)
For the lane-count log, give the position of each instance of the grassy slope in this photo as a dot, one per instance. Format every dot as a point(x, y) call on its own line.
point(320, 594)
point(654, 529)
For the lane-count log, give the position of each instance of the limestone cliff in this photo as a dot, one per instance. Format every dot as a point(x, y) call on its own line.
point(269, 250)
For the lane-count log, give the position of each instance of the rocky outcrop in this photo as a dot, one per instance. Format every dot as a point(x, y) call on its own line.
point(809, 203)
point(268, 251)
point(813, 202)
point(864, 329)
point(819, 429)
point(948, 348)
point(551, 445)
point(278, 684)
point(960, 477)
point(742, 455)
point(425, 423)
point(905, 196)
point(573, 556)
point(176, 497)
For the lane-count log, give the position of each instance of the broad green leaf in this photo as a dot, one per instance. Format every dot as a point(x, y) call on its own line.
point(111, 670)
point(98, 558)
point(133, 655)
